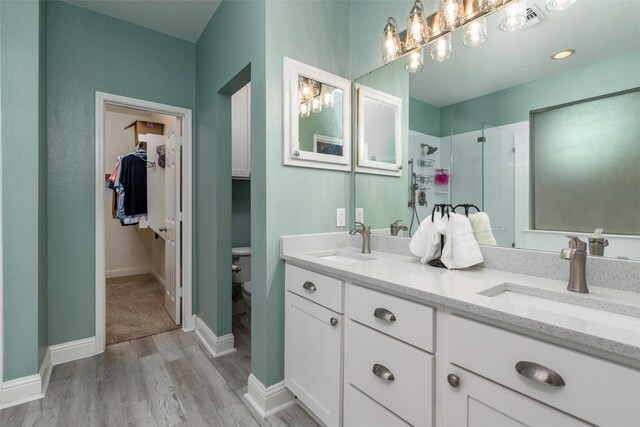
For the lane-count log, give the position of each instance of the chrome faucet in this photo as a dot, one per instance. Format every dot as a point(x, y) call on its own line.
point(365, 232)
point(576, 253)
point(395, 228)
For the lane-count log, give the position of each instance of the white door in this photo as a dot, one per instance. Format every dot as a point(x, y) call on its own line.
point(172, 258)
point(241, 133)
point(313, 355)
point(156, 181)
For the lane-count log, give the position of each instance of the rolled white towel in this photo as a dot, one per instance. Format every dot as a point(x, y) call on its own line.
point(481, 226)
point(425, 243)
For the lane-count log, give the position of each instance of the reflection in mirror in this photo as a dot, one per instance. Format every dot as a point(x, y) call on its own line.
point(469, 129)
point(379, 131)
point(317, 118)
point(378, 195)
point(320, 118)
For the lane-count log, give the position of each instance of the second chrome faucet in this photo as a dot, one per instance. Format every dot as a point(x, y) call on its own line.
point(576, 253)
point(365, 232)
point(395, 228)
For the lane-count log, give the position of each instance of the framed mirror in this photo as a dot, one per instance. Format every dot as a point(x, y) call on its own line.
point(379, 127)
point(317, 118)
point(471, 136)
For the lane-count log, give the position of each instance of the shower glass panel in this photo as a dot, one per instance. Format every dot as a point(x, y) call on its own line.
point(482, 173)
point(499, 182)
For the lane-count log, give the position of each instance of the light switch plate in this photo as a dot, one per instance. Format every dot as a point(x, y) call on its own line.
point(341, 217)
point(360, 215)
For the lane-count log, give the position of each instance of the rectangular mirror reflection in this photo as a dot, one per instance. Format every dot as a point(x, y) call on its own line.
point(469, 131)
point(317, 111)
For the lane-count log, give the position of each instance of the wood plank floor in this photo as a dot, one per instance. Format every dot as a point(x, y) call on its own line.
point(162, 380)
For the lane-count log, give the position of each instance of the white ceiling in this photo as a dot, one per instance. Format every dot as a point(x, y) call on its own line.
point(596, 29)
point(184, 19)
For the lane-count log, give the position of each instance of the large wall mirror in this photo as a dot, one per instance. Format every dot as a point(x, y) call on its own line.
point(317, 111)
point(468, 134)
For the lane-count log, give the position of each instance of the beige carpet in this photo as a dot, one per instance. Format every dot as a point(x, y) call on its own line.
point(135, 308)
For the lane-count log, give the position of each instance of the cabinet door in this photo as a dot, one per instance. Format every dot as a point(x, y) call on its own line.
point(313, 357)
point(478, 402)
point(241, 133)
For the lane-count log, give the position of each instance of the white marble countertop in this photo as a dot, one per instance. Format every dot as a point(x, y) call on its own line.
point(459, 289)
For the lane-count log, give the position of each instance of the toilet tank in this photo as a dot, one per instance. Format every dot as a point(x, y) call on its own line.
point(241, 258)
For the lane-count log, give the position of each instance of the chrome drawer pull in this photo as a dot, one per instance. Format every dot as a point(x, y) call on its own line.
point(382, 372)
point(309, 286)
point(384, 314)
point(539, 374)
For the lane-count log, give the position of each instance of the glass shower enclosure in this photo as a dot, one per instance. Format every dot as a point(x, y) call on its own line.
point(481, 171)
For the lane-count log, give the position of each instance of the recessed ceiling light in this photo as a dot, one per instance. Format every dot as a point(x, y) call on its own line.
point(563, 54)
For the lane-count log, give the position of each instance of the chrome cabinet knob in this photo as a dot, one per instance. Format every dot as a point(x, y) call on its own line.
point(309, 286)
point(333, 321)
point(296, 153)
point(453, 380)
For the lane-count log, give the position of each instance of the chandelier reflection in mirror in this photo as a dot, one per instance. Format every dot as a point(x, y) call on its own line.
point(313, 96)
point(452, 15)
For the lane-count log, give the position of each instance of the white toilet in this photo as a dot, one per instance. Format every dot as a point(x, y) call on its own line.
point(242, 258)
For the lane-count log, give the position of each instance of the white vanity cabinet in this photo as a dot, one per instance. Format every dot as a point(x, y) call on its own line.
point(313, 342)
point(588, 388)
point(241, 133)
point(485, 375)
point(388, 365)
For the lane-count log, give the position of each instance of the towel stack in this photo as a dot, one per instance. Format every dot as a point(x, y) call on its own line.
point(461, 248)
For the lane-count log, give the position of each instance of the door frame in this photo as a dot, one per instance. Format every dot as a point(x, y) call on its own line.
point(102, 99)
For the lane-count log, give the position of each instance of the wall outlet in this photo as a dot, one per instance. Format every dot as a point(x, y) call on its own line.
point(341, 217)
point(360, 215)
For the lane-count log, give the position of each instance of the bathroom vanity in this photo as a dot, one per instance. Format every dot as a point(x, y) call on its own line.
point(384, 340)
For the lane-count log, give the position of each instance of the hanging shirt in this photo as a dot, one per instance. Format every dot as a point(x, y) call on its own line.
point(133, 178)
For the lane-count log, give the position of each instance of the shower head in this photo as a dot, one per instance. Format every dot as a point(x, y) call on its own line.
point(430, 149)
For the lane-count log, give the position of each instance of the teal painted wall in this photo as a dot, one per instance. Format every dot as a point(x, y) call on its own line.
point(233, 39)
point(424, 118)
point(367, 22)
point(299, 200)
point(23, 42)
point(513, 105)
point(43, 301)
point(241, 212)
point(89, 52)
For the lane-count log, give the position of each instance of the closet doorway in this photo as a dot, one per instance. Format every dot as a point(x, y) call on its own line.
point(143, 219)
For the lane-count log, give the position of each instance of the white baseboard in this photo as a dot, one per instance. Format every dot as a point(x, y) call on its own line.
point(268, 400)
point(32, 387)
point(72, 350)
point(25, 389)
point(157, 277)
point(131, 271)
point(216, 346)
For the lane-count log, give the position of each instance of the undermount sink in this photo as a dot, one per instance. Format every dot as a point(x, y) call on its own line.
point(345, 258)
point(578, 306)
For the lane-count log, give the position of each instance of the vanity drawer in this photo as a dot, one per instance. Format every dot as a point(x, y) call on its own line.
point(406, 320)
point(316, 287)
point(595, 390)
point(409, 392)
point(362, 411)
